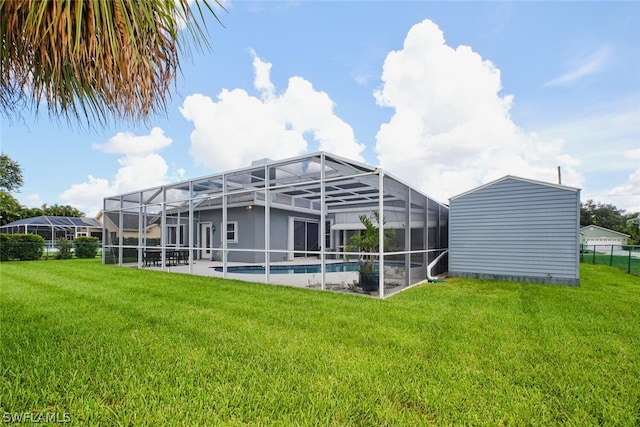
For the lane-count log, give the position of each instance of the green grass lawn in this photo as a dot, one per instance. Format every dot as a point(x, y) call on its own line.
point(112, 345)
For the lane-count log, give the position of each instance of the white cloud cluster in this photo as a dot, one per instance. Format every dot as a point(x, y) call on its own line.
point(627, 195)
point(140, 167)
point(238, 128)
point(451, 128)
point(601, 141)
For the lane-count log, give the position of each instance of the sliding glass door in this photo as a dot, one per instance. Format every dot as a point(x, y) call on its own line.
point(305, 237)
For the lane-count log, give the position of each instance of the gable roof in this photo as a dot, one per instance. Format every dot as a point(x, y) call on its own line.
point(608, 230)
point(515, 178)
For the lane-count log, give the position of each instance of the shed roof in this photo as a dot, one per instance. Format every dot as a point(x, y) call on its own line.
point(516, 178)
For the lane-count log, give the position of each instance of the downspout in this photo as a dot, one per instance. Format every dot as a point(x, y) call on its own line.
point(433, 263)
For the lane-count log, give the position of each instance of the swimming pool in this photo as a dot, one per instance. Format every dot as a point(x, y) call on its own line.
point(338, 267)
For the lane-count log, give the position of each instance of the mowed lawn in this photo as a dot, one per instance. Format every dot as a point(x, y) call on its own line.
point(112, 345)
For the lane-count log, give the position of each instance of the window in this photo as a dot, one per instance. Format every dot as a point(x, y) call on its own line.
point(175, 234)
point(232, 232)
point(327, 235)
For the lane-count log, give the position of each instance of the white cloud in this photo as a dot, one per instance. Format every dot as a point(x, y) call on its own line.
point(262, 80)
point(88, 196)
point(451, 129)
point(616, 127)
point(238, 128)
point(583, 67)
point(632, 154)
point(31, 200)
point(627, 195)
point(140, 167)
point(132, 145)
point(178, 175)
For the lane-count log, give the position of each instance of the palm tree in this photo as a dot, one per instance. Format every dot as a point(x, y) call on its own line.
point(367, 242)
point(93, 59)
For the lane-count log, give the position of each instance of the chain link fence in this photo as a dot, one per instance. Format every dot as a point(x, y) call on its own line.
point(624, 257)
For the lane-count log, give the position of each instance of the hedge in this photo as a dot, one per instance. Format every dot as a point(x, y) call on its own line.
point(86, 247)
point(21, 247)
point(64, 249)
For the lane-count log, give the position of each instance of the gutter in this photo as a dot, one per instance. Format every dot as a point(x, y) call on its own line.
point(433, 263)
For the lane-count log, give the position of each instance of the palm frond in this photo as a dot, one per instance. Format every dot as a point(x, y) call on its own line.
point(95, 59)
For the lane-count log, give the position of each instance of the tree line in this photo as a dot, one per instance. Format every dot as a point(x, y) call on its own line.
point(608, 216)
point(11, 180)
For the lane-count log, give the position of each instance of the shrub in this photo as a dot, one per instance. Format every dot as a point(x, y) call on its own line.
point(21, 247)
point(5, 247)
point(86, 247)
point(64, 248)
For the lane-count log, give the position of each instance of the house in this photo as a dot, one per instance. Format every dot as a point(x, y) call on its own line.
point(52, 228)
point(129, 226)
point(274, 214)
point(516, 229)
point(593, 235)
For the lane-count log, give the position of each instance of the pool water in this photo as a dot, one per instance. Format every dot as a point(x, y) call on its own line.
point(339, 267)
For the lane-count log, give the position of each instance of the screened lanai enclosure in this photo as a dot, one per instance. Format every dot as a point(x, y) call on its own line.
point(287, 222)
point(52, 228)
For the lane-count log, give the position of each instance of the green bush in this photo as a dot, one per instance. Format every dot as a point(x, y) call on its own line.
point(64, 248)
point(21, 247)
point(86, 247)
point(28, 247)
point(5, 247)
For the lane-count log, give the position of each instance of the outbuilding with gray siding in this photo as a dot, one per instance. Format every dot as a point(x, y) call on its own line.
point(516, 229)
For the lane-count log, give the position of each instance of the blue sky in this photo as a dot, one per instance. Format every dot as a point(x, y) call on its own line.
point(444, 95)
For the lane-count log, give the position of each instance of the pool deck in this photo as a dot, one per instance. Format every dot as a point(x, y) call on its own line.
point(338, 281)
point(203, 267)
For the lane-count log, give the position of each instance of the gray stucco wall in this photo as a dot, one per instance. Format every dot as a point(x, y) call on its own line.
point(517, 230)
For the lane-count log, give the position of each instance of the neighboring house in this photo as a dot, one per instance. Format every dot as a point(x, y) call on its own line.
point(274, 211)
point(516, 229)
point(593, 235)
point(52, 228)
point(129, 226)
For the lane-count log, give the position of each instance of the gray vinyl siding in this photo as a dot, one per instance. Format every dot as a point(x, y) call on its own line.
point(518, 230)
